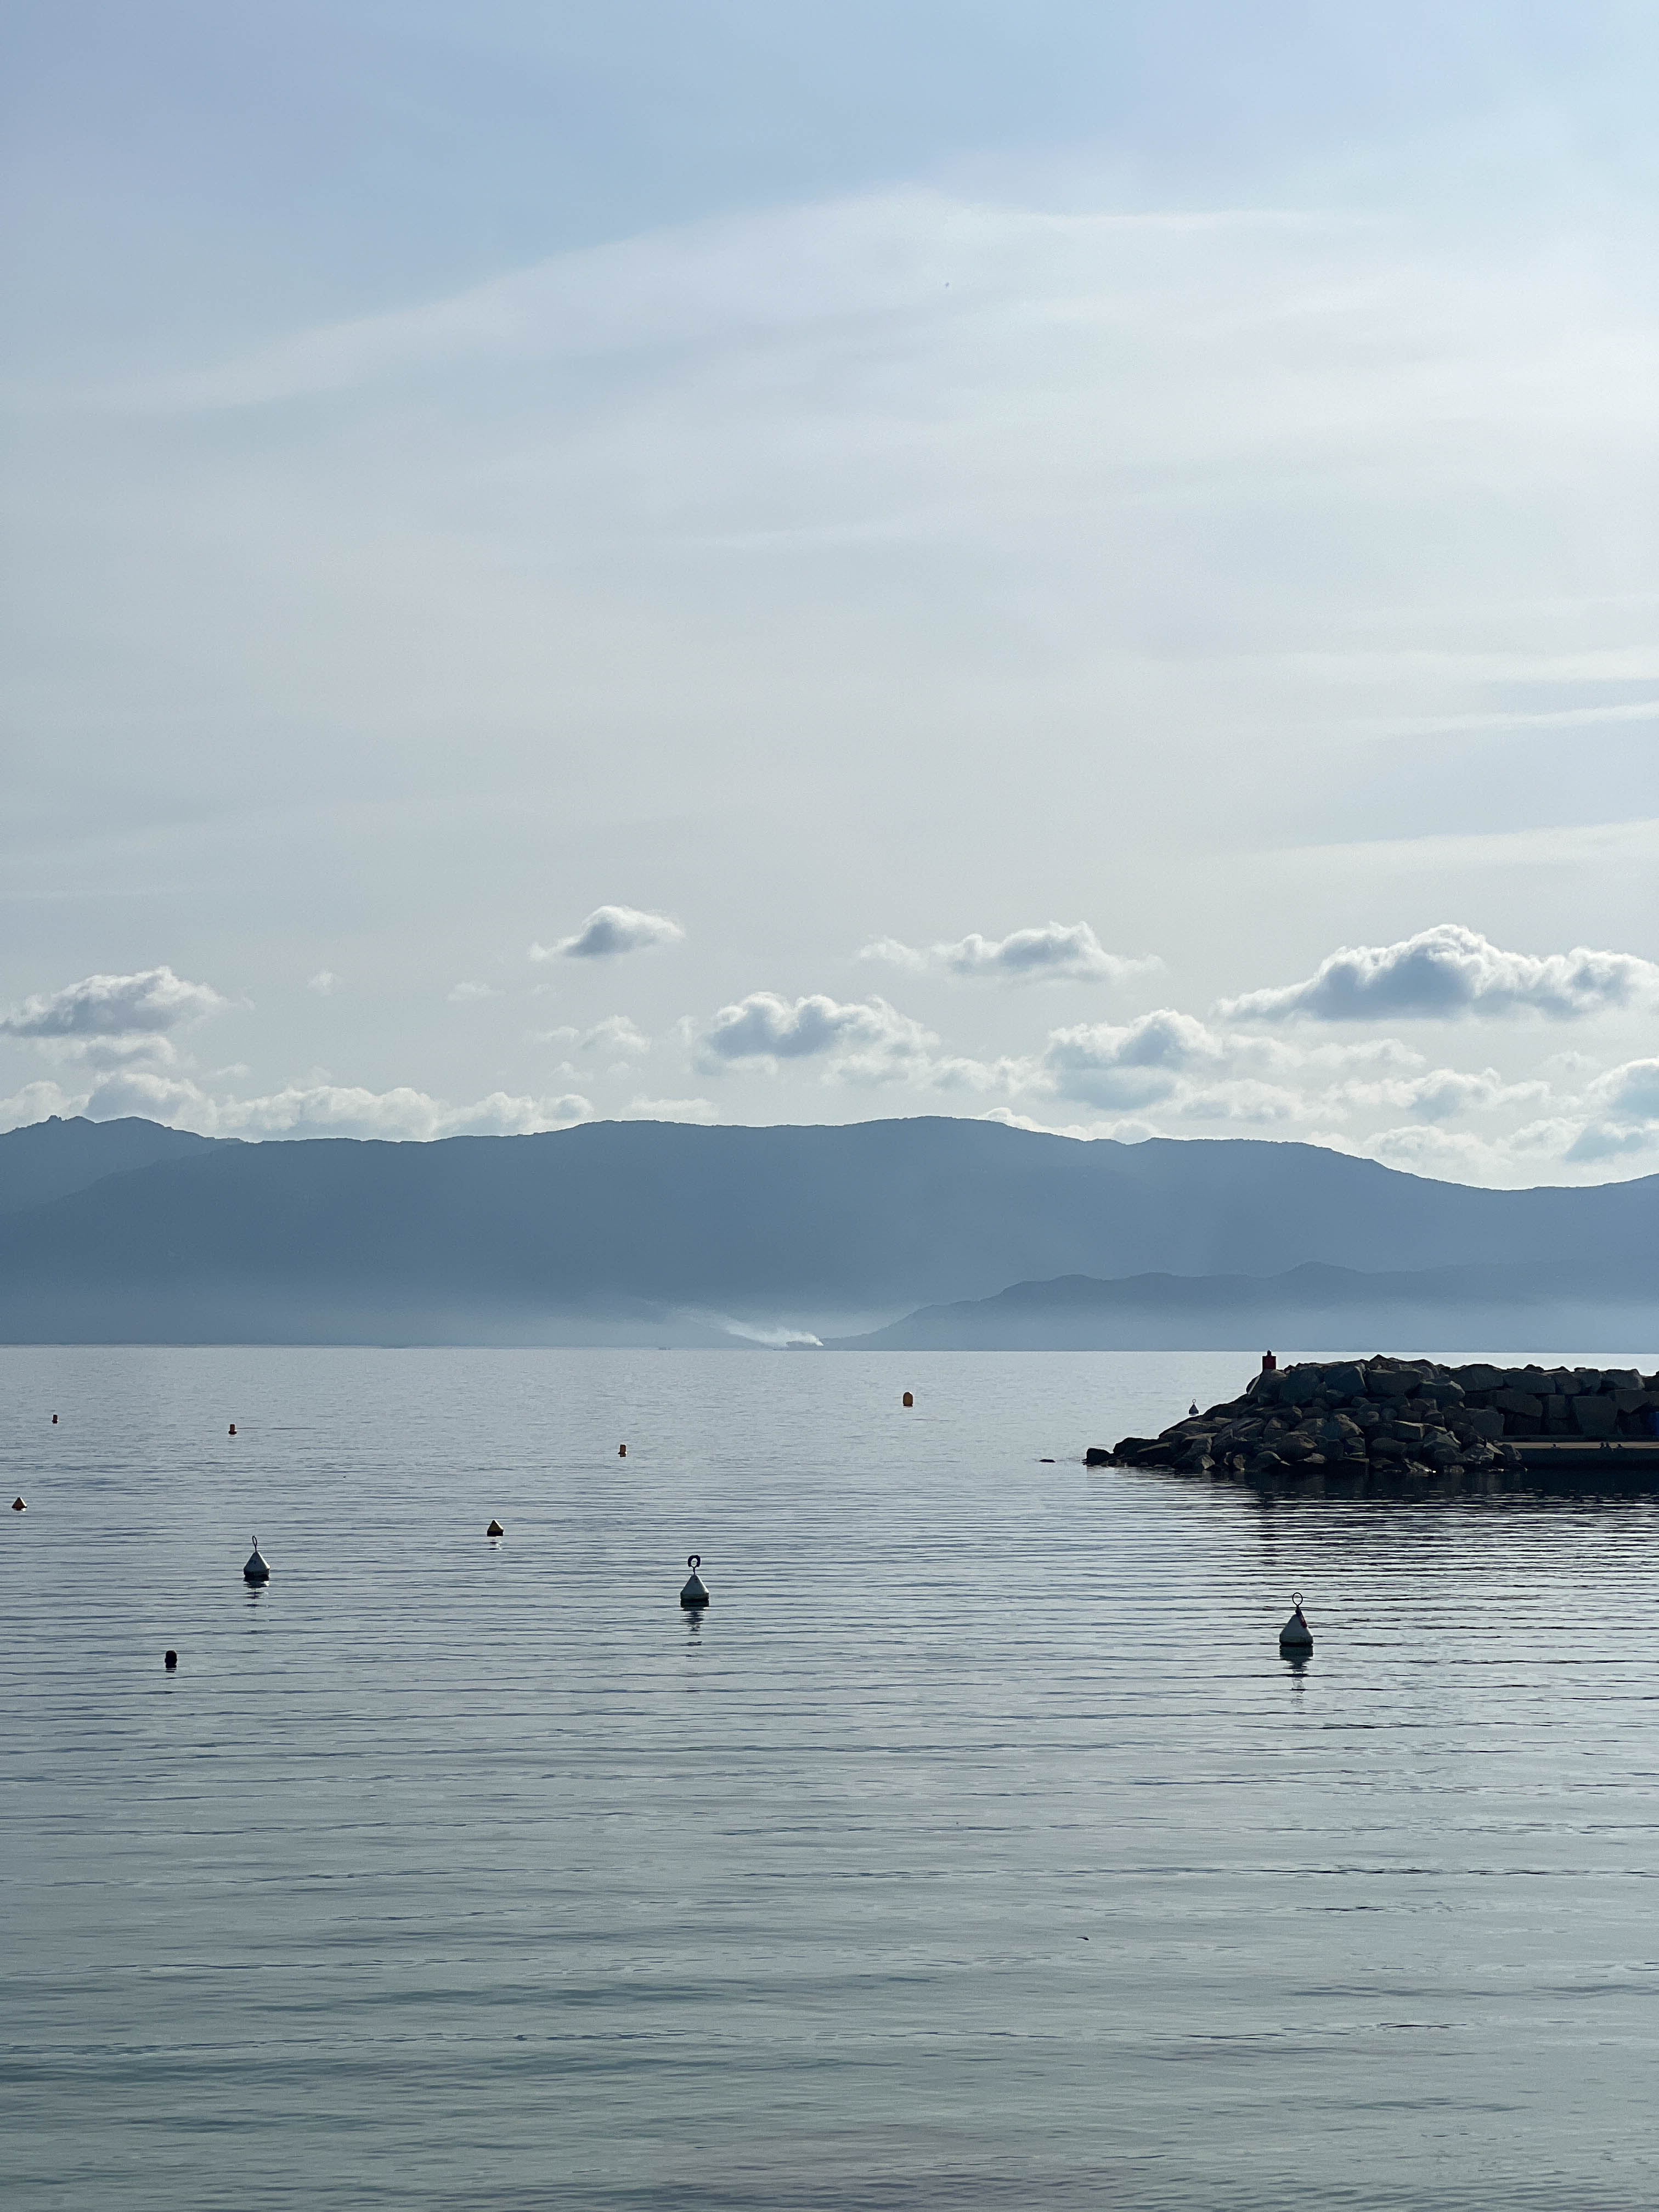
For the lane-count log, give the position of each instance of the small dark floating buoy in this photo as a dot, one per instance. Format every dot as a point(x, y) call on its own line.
point(169, 1660)
point(1192, 1410)
point(694, 1594)
point(54, 1420)
point(255, 1570)
point(910, 1398)
point(1045, 1462)
point(233, 1428)
point(18, 1506)
point(495, 1530)
point(1295, 1635)
point(622, 1451)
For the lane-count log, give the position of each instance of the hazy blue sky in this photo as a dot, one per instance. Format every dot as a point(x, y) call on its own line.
point(807, 562)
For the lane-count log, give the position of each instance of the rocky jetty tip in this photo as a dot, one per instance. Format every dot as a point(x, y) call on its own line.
point(1401, 1417)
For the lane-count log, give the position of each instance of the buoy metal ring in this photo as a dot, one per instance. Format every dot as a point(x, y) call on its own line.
point(1296, 1600)
point(694, 1561)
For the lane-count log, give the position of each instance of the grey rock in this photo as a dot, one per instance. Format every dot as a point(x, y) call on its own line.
point(1595, 1416)
point(1345, 1381)
point(1388, 1382)
point(1299, 1385)
point(1520, 1402)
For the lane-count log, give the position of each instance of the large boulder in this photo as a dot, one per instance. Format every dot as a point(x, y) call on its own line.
point(1345, 1382)
point(1595, 1416)
point(1391, 1382)
point(1522, 1403)
point(1299, 1384)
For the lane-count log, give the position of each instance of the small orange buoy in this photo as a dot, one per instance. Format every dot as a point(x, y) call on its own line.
point(495, 1530)
point(910, 1398)
point(18, 1506)
point(622, 1451)
point(233, 1428)
point(169, 1660)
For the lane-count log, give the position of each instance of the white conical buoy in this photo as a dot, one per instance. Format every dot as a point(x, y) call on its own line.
point(255, 1570)
point(1295, 1635)
point(694, 1594)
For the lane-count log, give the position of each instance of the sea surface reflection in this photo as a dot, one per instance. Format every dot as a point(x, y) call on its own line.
point(977, 1849)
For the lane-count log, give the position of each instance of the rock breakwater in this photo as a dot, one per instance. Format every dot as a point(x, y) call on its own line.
point(1402, 1418)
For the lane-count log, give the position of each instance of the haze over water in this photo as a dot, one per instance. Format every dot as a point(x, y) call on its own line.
point(977, 1849)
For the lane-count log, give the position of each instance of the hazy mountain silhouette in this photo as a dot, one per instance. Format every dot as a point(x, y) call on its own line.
point(1315, 1308)
point(662, 1232)
point(51, 1158)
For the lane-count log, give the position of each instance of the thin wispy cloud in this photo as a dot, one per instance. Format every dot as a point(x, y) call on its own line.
point(402, 1113)
point(1056, 952)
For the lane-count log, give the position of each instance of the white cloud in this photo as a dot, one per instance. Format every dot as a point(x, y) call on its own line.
point(467, 994)
point(865, 1035)
point(149, 1002)
point(610, 931)
point(325, 983)
point(1624, 1114)
point(1135, 1064)
point(326, 1109)
point(1440, 1096)
point(36, 1102)
point(1632, 1091)
point(1447, 971)
point(669, 1109)
point(616, 1033)
point(1058, 951)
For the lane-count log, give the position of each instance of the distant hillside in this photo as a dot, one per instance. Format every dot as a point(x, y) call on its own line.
point(51, 1158)
point(1314, 1307)
point(660, 1232)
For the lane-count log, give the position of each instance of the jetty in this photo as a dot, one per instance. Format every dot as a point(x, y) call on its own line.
point(1393, 1424)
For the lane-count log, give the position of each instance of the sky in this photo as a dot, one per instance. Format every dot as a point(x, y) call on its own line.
point(1092, 564)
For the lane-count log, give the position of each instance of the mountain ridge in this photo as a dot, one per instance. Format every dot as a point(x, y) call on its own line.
point(643, 1228)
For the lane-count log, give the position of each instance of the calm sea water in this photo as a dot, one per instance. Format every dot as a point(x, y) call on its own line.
point(977, 1849)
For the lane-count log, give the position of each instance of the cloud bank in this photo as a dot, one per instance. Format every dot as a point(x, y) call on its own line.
point(1446, 972)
